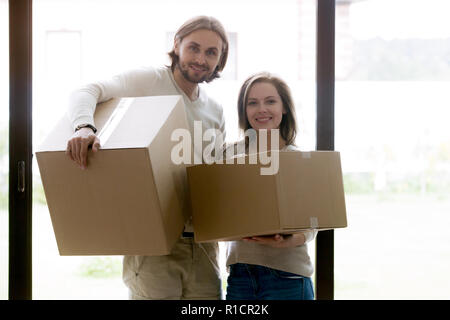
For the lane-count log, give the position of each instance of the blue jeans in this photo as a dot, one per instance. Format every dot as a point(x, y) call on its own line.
point(252, 282)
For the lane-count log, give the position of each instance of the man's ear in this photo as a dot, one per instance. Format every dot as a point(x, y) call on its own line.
point(176, 47)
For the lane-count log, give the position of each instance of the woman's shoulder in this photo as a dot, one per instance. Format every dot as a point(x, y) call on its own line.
point(290, 147)
point(238, 148)
point(234, 149)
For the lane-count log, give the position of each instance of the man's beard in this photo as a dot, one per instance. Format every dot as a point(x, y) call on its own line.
point(185, 73)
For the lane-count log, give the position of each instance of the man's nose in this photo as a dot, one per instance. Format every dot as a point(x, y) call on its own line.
point(200, 58)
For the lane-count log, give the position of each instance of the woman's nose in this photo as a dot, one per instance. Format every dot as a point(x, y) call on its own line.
point(262, 108)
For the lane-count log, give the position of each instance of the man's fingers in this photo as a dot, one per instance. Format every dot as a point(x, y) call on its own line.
point(69, 150)
point(78, 146)
point(84, 150)
point(96, 145)
point(83, 155)
point(77, 152)
point(73, 150)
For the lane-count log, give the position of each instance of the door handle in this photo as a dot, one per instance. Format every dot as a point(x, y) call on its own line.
point(21, 176)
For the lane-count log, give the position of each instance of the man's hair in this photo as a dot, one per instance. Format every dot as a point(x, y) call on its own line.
point(288, 125)
point(206, 23)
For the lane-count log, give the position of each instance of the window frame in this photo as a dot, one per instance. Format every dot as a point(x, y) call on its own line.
point(20, 150)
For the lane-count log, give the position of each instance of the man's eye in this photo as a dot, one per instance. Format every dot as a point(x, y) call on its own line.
point(212, 53)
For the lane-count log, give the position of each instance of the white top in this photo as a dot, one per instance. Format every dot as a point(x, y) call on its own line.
point(295, 260)
point(147, 81)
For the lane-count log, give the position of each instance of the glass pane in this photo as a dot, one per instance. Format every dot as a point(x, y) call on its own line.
point(4, 147)
point(77, 42)
point(392, 93)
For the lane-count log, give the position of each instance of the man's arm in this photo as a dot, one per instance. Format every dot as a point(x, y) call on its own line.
point(82, 104)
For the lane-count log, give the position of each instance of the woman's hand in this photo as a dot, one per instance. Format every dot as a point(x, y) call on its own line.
point(278, 240)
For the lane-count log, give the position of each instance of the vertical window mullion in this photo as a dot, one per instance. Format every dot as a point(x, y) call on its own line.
point(325, 134)
point(20, 149)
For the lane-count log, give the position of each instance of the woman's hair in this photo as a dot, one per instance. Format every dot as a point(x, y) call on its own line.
point(288, 125)
point(197, 23)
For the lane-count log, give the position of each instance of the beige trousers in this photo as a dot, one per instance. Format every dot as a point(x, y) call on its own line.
point(191, 271)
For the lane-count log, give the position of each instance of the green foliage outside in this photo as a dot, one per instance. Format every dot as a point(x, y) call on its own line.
point(38, 192)
point(359, 183)
point(437, 183)
point(101, 267)
point(3, 196)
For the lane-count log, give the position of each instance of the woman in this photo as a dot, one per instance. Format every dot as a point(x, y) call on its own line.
point(276, 266)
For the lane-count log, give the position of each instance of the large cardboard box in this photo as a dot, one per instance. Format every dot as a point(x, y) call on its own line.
point(231, 201)
point(131, 199)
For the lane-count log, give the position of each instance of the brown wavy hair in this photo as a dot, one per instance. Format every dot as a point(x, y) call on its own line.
point(197, 23)
point(288, 125)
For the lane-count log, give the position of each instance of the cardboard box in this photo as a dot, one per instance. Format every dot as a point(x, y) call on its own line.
point(131, 199)
point(231, 201)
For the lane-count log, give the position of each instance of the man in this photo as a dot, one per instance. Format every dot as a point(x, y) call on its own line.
point(199, 53)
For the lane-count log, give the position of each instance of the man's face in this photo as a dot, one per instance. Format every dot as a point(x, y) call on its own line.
point(199, 53)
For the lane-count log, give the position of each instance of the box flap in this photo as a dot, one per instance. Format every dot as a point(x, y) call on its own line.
point(310, 190)
point(142, 120)
point(337, 181)
point(57, 139)
point(133, 126)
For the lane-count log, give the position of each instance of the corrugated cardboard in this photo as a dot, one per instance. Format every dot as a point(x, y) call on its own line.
point(131, 199)
point(231, 201)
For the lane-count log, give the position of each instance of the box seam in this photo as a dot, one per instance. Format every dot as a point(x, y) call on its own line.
point(147, 152)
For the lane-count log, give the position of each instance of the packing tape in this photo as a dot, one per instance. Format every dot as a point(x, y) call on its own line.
point(306, 155)
point(313, 222)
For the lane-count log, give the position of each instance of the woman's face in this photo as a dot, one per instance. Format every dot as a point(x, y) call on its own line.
point(264, 106)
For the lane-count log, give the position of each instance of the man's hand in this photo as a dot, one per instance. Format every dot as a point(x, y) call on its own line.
point(78, 145)
point(279, 241)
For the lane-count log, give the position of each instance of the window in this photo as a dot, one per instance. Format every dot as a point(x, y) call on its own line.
point(392, 93)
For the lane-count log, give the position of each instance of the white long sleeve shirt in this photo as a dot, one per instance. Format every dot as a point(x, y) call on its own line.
point(143, 82)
